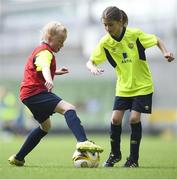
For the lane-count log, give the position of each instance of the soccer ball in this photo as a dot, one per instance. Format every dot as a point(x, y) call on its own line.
point(86, 159)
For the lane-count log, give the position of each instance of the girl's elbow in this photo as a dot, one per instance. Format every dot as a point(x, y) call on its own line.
point(159, 41)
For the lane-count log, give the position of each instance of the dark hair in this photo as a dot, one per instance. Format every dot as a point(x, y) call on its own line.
point(124, 18)
point(112, 13)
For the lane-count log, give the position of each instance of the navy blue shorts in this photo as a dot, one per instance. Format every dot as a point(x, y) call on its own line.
point(42, 105)
point(142, 104)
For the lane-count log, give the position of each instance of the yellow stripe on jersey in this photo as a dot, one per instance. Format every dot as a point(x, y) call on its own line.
point(43, 59)
point(127, 56)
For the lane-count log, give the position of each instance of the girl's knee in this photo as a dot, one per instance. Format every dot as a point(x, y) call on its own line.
point(46, 126)
point(70, 107)
point(135, 117)
point(64, 106)
point(46, 129)
point(116, 121)
point(134, 120)
point(117, 116)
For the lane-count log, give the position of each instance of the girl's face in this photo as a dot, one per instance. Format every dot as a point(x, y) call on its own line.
point(57, 42)
point(114, 28)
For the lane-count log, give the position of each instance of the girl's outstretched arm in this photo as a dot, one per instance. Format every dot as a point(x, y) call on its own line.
point(61, 71)
point(93, 68)
point(168, 55)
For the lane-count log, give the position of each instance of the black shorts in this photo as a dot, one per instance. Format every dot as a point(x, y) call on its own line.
point(142, 104)
point(42, 105)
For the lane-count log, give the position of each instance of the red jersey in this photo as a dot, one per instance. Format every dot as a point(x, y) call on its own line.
point(33, 81)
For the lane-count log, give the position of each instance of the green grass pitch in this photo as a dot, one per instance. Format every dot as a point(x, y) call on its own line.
point(52, 159)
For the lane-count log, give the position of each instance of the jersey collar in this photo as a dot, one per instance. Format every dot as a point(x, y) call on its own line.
point(121, 36)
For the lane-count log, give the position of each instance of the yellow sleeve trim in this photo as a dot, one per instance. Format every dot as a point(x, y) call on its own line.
point(43, 59)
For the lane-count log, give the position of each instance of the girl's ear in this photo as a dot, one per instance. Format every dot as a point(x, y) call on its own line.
point(121, 21)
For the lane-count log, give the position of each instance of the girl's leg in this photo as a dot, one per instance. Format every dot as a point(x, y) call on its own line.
point(115, 131)
point(136, 134)
point(72, 120)
point(115, 138)
point(74, 123)
point(32, 140)
point(135, 139)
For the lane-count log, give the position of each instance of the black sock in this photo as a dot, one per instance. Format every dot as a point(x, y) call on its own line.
point(115, 138)
point(32, 140)
point(74, 124)
point(135, 140)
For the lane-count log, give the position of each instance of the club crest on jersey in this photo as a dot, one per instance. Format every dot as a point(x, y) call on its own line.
point(131, 45)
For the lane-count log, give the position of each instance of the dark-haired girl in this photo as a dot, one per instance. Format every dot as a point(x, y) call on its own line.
point(124, 48)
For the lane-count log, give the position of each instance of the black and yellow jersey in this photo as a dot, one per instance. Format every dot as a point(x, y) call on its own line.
point(127, 55)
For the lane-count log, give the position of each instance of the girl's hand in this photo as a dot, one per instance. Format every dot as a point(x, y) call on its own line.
point(169, 56)
point(61, 71)
point(48, 79)
point(93, 68)
point(49, 85)
point(96, 71)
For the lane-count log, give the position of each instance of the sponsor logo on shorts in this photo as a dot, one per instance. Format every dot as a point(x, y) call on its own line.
point(146, 107)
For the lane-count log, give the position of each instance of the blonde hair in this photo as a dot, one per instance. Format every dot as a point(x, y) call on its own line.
point(52, 30)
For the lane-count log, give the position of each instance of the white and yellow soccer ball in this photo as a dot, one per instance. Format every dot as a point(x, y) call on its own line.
point(86, 159)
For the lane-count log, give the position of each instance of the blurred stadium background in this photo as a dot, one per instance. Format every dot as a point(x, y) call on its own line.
point(20, 24)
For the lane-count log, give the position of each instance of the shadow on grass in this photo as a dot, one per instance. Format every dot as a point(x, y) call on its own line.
point(141, 167)
point(46, 166)
point(158, 167)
